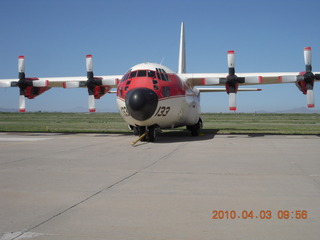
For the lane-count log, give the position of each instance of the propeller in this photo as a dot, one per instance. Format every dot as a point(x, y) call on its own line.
point(92, 82)
point(25, 83)
point(22, 84)
point(305, 80)
point(232, 82)
point(97, 86)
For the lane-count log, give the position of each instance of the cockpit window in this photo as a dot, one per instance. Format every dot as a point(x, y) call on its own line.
point(162, 74)
point(151, 74)
point(133, 74)
point(125, 77)
point(142, 73)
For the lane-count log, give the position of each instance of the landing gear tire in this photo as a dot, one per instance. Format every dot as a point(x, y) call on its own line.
point(152, 133)
point(142, 130)
point(135, 131)
point(196, 129)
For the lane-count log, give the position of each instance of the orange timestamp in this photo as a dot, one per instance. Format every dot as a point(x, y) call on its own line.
point(260, 214)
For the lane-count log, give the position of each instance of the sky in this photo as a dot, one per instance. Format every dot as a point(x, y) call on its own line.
point(56, 35)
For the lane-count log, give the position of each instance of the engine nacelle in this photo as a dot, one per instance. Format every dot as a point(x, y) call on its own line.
point(32, 92)
point(99, 91)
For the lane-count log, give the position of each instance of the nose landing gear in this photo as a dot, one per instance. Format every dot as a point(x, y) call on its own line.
point(146, 134)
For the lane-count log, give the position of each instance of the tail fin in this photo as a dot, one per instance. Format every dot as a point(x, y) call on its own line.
point(182, 52)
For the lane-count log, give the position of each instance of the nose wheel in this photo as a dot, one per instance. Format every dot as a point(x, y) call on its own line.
point(151, 133)
point(146, 134)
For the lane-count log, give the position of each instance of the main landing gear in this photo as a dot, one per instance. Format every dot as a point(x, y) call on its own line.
point(148, 134)
point(195, 129)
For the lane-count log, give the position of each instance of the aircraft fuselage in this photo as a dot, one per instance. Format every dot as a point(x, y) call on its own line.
point(151, 94)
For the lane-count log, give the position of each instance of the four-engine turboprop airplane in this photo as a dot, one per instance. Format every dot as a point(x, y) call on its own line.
point(151, 96)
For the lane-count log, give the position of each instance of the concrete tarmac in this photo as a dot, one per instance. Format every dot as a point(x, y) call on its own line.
point(97, 186)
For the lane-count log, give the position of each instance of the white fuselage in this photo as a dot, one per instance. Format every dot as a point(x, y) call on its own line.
point(181, 108)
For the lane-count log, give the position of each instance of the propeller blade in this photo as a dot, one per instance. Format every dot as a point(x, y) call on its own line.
point(91, 103)
point(89, 66)
point(4, 84)
point(310, 98)
point(22, 103)
point(21, 64)
point(308, 58)
point(231, 62)
point(232, 102)
point(21, 68)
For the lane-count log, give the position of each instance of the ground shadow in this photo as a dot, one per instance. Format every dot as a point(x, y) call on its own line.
point(169, 136)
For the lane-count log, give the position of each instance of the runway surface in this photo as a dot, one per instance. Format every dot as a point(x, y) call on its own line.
point(97, 186)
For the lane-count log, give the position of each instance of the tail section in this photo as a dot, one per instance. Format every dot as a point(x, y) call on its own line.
point(182, 52)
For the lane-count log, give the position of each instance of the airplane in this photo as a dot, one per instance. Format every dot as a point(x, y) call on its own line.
point(150, 96)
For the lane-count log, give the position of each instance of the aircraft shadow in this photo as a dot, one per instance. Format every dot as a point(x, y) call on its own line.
point(185, 136)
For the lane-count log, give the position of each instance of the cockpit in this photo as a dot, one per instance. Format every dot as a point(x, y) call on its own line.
point(159, 74)
point(155, 77)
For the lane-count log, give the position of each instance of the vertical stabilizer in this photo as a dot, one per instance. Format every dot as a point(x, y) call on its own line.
point(182, 52)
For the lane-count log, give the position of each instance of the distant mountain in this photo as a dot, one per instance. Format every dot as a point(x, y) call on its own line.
point(300, 110)
point(294, 110)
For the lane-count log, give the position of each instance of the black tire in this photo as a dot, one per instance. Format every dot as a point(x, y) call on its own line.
point(195, 132)
point(142, 130)
point(151, 133)
point(136, 131)
point(196, 129)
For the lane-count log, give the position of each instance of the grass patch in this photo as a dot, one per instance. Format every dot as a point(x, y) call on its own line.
point(223, 123)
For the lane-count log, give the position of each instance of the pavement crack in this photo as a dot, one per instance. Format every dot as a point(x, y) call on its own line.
point(162, 158)
point(75, 205)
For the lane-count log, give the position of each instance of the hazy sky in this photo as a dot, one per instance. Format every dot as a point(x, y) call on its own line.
point(55, 36)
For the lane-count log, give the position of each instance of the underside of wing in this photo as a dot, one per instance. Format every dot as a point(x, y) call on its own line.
point(224, 89)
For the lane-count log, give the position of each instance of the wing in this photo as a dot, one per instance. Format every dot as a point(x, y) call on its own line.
point(303, 80)
point(211, 79)
point(33, 87)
